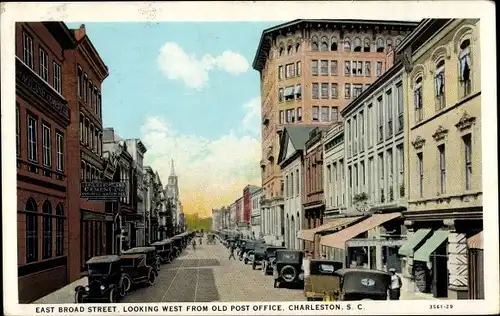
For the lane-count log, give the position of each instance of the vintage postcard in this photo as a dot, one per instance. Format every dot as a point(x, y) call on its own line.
point(241, 158)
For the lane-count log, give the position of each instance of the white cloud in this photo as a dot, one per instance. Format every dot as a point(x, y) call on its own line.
point(211, 173)
point(177, 64)
point(251, 121)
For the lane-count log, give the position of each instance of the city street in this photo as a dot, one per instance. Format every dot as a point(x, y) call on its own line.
point(206, 275)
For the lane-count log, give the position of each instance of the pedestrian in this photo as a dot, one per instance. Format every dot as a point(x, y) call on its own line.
point(231, 252)
point(396, 284)
point(194, 244)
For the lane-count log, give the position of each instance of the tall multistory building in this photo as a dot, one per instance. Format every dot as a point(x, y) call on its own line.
point(172, 188)
point(309, 70)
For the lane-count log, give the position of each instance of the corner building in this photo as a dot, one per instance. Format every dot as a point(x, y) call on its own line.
point(309, 70)
point(42, 118)
point(442, 80)
point(87, 220)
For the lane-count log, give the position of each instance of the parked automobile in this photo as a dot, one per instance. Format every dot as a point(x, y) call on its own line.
point(136, 270)
point(322, 279)
point(247, 250)
point(165, 250)
point(152, 257)
point(288, 268)
point(269, 259)
point(105, 281)
point(363, 284)
point(258, 254)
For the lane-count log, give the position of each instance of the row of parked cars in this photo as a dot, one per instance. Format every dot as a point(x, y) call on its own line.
point(326, 280)
point(111, 277)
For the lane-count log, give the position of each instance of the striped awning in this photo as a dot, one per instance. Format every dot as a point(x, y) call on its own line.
point(289, 91)
point(476, 241)
point(338, 240)
point(309, 233)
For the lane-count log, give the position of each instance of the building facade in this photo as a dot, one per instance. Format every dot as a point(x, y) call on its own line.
point(217, 219)
point(443, 152)
point(334, 170)
point(42, 119)
point(255, 214)
point(152, 204)
point(309, 70)
point(137, 150)
point(232, 216)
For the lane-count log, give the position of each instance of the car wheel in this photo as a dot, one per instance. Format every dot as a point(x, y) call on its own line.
point(78, 297)
point(158, 265)
point(288, 273)
point(126, 282)
point(112, 295)
point(151, 277)
point(276, 284)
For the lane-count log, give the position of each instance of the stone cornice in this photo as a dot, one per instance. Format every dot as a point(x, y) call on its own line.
point(418, 143)
point(465, 122)
point(440, 133)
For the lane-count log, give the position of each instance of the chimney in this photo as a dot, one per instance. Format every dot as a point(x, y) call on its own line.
point(80, 32)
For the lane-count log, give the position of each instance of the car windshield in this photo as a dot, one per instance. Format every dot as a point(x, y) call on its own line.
point(328, 268)
point(99, 268)
point(289, 256)
point(127, 262)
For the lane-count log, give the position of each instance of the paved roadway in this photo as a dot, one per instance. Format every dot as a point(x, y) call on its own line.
point(206, 275)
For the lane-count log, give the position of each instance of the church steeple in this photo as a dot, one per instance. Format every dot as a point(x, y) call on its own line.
point(172, 169)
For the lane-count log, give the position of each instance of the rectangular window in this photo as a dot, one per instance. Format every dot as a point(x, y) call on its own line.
point(325, 115)
point(315, 90)
point(368, 68)
point(96, 105)
point(56, 82)
point(379, 68)
point(334, 114)
point(314, 67)
point(80, 82)
point(347, 92)
point(361, 131)
point(389, 113)
point(44, 65)
point(468, 161)
point(91, 137)
point(399, 92)
point(439, 81)
point(315, 113)
point(324, 67)
point(32, 139)
point(99, 105)
point(47, 146)
point(420, 170)
point(90, 90)
point(28, 50)
point(60, 151)
point(359, 68)
point(465, 68)
point(298, 92)
point(369, 121)
point(85, 88)
point(357, 89)
point(347, 68)
point(381, 171)
point(96, 137)
point(299, 114)
point(324, 91)
point(281, 94)
point(335, 90)
point(401, 170)
point(282, 117)
point(299, 68)
point(18, 131)
point(390, 175)
point(380, 108)
point(289, 70)
point(87, 126)
point(348, 131)
point(333, 67)
point(417, 93)
point(442, 169)
point(280, 72)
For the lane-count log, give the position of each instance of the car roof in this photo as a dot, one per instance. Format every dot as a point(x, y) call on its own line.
point(139, 250)
point(351, 270)
point(103, 259)
point(133, 256)
point(161, 242)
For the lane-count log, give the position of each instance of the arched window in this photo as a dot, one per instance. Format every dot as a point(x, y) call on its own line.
point(324, 44)
point(59, 230)
point(297, 47)
point(389, 43)
point(357, 44)
point(82, 170)
point(289, 49)
point(347, 45)
point(334, 45)
point(314, 44)
point(380, 45)
point(465, 68)
point(31, 231)
point(366, 45)
point(439, 83)
point(398, 42)
point(417, 94)
point(47, 230)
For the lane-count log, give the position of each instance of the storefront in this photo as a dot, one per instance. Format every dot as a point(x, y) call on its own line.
point(93, 241)
point(476, 266)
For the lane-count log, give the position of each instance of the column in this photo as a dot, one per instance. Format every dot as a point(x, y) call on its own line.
point(457, 263)
point(378, 251)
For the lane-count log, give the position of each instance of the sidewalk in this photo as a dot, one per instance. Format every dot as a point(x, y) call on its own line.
point(64, 295)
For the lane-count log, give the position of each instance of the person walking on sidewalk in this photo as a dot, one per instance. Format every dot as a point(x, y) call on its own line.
point(396, 284)
point(231, 252)
point(194, 244)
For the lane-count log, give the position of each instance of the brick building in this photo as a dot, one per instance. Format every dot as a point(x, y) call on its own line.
point(42, 118)
point(309, 70)
point(87, 221)
point(248, 191)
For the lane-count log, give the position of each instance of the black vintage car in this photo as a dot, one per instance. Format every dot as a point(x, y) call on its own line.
point(153, 259)
point(136, 270)
point(178, 245)
point(106, 281)
point(258, 254)
point(247, 249)
point(363, 284)
point(269, 259)
point(322, 279)
point(165, 250)
point(288, 268)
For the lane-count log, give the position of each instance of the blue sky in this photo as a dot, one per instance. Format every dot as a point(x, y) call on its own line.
point(189, 92)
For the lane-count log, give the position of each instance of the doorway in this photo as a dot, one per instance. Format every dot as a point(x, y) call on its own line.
point(440, 272)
